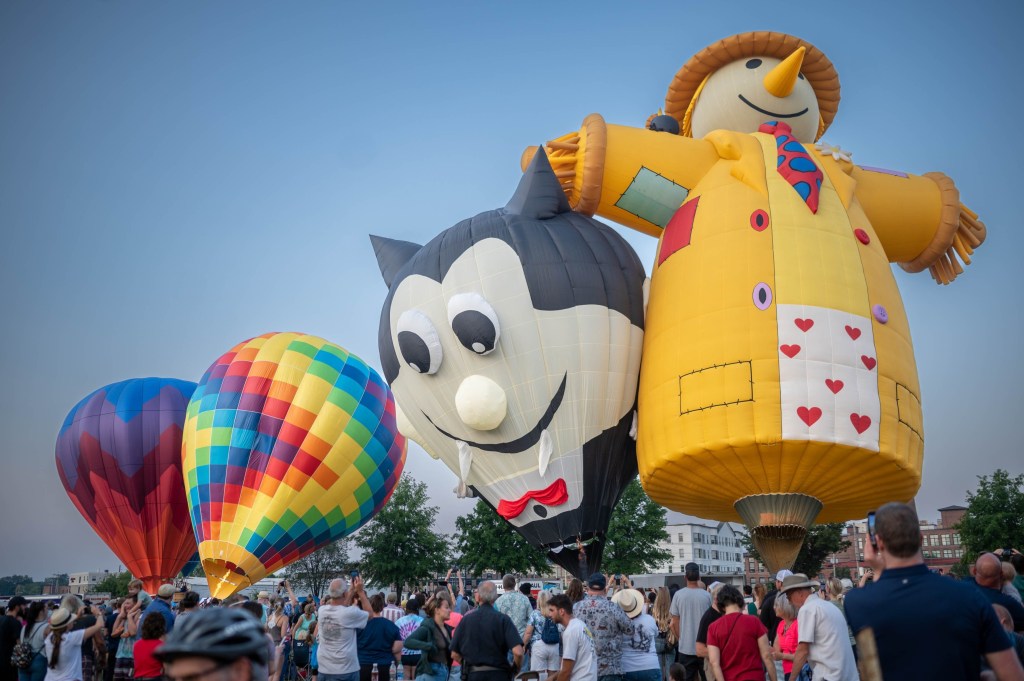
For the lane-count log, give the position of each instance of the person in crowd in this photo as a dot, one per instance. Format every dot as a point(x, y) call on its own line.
point(188, 605)
point(10, 631)
point(378, 644)
point(607, 623)
point(666, 643)
point(391, 611)
point(216, 644)
point(835, 593)
point(278, 628)
point(518, 608)
point(709, 617)
point(455, 671)
point(125, 631)
point(110, 613)
point(64, 647)
point(433, 639)
point(738, 642)
point(484, 639)
point(639, 655)
point(1017, 561)
point(767, 614)
point(786, 638)
point(676, 672)
point(147, 667)
point(688, 606)
point(306, 623)
point(338, 621)
point(988, 575)
point(255, 610)
point(1006, 622)
point(546, 640)
point(1009, 575)
point(821, 630)
point(925, 626)
point(84, 619)
point(579, 657)
point(406, 625)
point(527, 590)
point(34, 634)
point(575, 590)
point(161, 605)
point(142, 599)
point(758, 594)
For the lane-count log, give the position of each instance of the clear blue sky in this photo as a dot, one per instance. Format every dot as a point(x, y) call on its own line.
point(176, 177)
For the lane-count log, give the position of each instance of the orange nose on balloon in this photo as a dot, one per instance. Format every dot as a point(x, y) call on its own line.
point(782, 78)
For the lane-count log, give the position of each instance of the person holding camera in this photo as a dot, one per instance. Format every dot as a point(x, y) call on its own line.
point(338, 622)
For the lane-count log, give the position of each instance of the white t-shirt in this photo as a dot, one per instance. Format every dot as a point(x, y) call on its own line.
point(823, 626)
point(638, 653)
point(578, 646)
point(689, 605)
point(336, 627)
point(69, 664)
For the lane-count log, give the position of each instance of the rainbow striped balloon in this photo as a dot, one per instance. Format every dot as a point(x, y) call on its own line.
point(290, 443)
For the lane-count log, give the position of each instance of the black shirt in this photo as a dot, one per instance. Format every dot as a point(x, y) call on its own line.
point(706, 620)
point(485, 637)
point(768, 617)
point(10, 630)
point(84, 622)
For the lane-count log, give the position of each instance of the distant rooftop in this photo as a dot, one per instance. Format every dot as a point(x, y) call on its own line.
point(953, 508)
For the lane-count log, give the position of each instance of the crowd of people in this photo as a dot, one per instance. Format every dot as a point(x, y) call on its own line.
point(905, 623)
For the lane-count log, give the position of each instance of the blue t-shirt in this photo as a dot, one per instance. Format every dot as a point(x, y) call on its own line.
point(374, 641)
point(926, 626)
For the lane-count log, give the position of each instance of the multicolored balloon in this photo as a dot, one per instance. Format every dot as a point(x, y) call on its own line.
point(119, 458)
point(290, 444)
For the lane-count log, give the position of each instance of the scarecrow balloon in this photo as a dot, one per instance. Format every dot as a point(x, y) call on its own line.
point(512, 341)
point(119, 458)
point(290, 444)
point(777, 349)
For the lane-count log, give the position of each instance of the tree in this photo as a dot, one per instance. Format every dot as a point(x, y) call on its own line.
point(842, 573)
point(116, 584)
point(995, 516)
point(635, 533)
point(314, 572)
point(399, 546)
point(820, 542)
point(9, 585)
point(485, 541)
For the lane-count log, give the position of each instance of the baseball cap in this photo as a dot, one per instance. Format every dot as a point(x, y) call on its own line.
point(165, 591)
point(781, 575)
point(596, 581)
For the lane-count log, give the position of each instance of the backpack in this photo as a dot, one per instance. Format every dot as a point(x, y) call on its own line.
point(549, 632)
point(22, 655)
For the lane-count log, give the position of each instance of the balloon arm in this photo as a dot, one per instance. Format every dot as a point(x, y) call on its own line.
point(634, 176)
point(919, 220)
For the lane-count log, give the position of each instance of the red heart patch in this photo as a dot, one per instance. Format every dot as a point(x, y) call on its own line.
point(860, 423)
point(790, 351)
point(869, 362)
point(835, 386)
point(804, 324)
point(809, 416)
point(853, 332)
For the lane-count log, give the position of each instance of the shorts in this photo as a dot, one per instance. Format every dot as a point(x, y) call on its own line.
point(545, 657)
point(410, 660)
point(124, 669)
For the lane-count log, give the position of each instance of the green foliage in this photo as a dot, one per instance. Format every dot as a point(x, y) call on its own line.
point(314, 572)
point(485, 541)
point(635, 532)
point(116, 584)
point(843, 573)
point(994, 517)
point(9, 585)
point(399, 545)
point(821, 541)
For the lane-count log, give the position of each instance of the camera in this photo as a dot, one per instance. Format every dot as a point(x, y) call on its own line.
point(871, 530)
point(354, 574)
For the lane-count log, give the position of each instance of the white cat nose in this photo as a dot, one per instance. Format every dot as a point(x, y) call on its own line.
point(481, 403)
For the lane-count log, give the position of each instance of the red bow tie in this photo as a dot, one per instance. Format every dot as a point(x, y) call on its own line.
point(554, 494)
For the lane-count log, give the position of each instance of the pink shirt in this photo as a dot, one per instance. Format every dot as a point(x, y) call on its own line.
point(788, 642)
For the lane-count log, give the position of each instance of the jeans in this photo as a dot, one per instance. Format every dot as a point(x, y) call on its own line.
point(351, 676)
point(438, 672)
point(665, 661)
point(643, 675)
point(456, 673)
point(611, 677)
point(36, 671)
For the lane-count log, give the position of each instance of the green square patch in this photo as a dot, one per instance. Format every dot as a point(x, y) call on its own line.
point(652, 197)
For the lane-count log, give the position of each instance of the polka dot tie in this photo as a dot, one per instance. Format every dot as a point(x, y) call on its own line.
point(795, 164)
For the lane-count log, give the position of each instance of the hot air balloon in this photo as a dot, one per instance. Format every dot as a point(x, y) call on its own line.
point(119, 458)
point(778, 351)
point(512, 342)
point(190, 565)
point(290, 443)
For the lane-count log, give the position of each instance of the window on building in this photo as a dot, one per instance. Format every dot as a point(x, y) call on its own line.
point(698, 536)
point(682, 537)
point(682, 553)
point(860, 544)
point(946, 540)
point(933, 540)
point(947, 553)
point(713, 539)
point(956, 538)
point(959, 553)
point(714, 555)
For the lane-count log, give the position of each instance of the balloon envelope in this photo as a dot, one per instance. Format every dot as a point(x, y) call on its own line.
point(290, 443)
point(119, 458)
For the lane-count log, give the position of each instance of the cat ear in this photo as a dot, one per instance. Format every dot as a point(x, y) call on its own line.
point(539, 194)
point(392, 255)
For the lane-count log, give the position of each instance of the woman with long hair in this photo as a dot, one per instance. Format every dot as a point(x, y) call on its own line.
point(544, 657)
point(34, 634)
point(759, 593)
point(64, 647)
point(575, 591)
point(125, 628)
point(407, 624)
point(738, 642)
point(667, 642)
point(433, 638)
point(277, 627)
point(147, 667)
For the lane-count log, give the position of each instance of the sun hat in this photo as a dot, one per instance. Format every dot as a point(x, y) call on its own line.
point(263, 594)
point(60, 618)
point(165, 591)
point(631, 601)
point(816, 68)
point(798, 581)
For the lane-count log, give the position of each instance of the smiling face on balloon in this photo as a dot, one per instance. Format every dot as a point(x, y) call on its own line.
point(511, 342)
point(748, 92)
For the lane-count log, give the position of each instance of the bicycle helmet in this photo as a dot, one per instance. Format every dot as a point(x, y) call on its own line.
point(217, 633)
